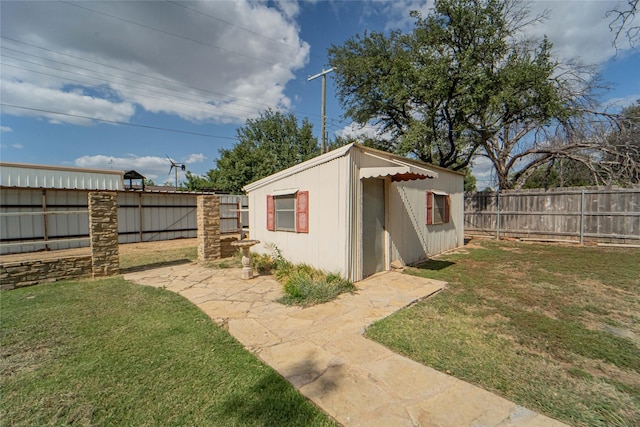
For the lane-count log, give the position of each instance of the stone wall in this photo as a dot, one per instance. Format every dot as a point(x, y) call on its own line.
point(208, 215)
point(103, 233)
point(103, 261)
point(19, 274)
point(226, 250)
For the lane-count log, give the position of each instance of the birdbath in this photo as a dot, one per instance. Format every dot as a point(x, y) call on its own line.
point(247, 269)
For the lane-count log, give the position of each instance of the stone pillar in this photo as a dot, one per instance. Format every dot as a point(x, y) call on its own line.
point(208, 228)
point(103, 233)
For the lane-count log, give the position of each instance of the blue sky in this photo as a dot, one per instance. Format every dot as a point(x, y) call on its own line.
point(200, 68)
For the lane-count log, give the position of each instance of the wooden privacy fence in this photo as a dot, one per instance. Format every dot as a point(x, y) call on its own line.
point(602, 215)
point(37, 219)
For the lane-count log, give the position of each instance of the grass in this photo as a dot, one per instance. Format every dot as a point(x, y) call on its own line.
point(553, 328)
point(157, 257)
point(109, 352)
point(302, 284)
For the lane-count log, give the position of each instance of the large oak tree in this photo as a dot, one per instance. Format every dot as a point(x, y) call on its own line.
point(464, 82)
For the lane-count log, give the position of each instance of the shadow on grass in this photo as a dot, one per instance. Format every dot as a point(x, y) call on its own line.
point(435, 265)
point(271, 402)
point(154, 265)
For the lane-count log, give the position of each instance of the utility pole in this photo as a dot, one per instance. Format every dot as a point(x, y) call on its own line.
point(323, 74)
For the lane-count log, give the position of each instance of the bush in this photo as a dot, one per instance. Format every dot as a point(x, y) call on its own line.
point(305, 285)
point(302, 284)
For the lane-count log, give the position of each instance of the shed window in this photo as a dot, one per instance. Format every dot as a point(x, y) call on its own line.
point(285, 209)
point(288, 212)
point(438, 207)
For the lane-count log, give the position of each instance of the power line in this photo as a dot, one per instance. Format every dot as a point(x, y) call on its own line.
point(201, 104)
point(167, 32)
point(296, 112)
point(133, 72)
point(296, 48)
point(118, 122)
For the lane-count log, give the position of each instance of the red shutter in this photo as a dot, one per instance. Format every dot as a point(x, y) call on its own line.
point(271, 213)
point(447, 208)
point(302, 212)
point(429, 207)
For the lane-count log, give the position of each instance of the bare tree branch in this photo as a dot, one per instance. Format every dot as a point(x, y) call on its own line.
point(623, 22)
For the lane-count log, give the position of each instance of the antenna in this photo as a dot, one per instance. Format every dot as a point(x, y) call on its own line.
point(176, 166)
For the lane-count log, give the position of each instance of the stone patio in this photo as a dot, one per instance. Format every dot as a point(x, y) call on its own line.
point(321, 350)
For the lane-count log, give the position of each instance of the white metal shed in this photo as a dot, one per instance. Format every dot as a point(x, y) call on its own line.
point(355, 210)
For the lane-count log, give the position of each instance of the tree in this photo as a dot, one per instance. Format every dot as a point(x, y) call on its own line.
point(623, 143)
point(268, 144)
point(470, 181)
point(623, 23)
point(560, 173)
point(466, 82)
point(461, 78)
point(197, 182)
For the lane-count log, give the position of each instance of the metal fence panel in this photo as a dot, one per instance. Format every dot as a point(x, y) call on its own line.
point(142, 216)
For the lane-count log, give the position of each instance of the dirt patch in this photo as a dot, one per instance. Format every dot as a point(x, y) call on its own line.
point(125, 249)
point(132, 248)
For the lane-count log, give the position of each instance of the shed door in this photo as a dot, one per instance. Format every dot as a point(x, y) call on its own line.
point(372, 226)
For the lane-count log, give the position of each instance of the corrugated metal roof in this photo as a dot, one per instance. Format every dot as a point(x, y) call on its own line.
point(44, 176)
point(342, 151)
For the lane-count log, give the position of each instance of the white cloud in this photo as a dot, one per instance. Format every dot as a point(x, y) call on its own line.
point(41, 101)
point(17, 146)
point(152, 167)
point(578, 29)
point(483, 171)
point(209, 61)
point(620, 103)
point(290, 8)
point(4, 129)
point(354, 130)
point(195, 158)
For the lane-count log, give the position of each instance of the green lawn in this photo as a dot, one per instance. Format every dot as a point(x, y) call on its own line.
point(157, 257)
point(554, 328)
point(108, 352)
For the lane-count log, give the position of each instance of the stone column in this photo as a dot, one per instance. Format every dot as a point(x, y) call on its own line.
point(208, 228)
point(103, 233)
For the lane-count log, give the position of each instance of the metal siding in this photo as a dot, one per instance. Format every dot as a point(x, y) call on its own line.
point(413, 240)
point(324, 246)
point(31, 227)
point(160, 222)
point(128, 221)
point(41, 177)
point(60, 226)
point(355, 160)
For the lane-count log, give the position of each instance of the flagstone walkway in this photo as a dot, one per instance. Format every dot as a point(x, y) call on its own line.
point(321, 350)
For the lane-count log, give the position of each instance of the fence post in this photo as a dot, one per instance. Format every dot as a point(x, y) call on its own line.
point(103, 233)
point(45, 219)
point(140, 216)
point(208, 215)
point(582, 217)
point(498, 220)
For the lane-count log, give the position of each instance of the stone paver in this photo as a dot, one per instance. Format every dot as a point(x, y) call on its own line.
point(321, 350)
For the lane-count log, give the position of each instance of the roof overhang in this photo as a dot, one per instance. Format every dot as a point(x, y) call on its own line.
point(401, 171)
point(284, 192)
point(133, 175)
point(397, 173)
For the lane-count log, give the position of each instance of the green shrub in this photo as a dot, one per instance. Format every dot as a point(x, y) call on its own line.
point(302, 284)
point(263, 263)
point(305, 285)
